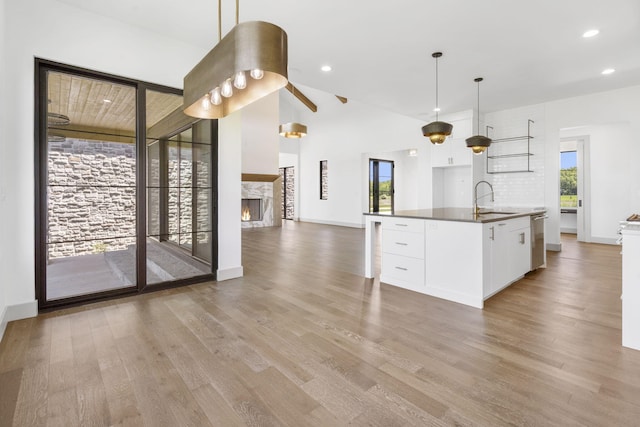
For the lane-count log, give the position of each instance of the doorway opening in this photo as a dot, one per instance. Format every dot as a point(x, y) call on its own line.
point(287, 203)
point(381, 189)
point(574, 190)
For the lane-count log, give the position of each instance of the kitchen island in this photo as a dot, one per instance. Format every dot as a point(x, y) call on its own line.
point(451, 253)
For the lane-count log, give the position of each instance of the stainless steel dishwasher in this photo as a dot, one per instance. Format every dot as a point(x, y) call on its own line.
point(537, 240)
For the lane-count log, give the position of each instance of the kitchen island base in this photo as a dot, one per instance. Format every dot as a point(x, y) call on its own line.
point(462, 260)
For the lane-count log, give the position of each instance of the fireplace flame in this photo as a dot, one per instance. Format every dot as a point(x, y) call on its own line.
point(246, 214)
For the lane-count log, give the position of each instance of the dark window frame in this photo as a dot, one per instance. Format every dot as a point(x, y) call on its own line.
point(374, 184)
point(41, 68)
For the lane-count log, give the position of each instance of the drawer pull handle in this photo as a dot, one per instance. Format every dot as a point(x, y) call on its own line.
point(401, 268)
point(522, 238)
point(402, 225)
point(401, 244)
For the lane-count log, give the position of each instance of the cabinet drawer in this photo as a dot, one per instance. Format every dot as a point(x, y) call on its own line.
point(403, 224)
point(523, 222)
point(403, 243)
point(402, 271)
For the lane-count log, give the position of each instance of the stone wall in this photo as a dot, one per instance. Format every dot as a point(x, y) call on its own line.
point(91, 197)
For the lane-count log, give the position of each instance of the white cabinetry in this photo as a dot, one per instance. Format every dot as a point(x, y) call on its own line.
point(496, 256)
point(403, 253)
point(520, 248)
point(453, 152)
point(508, 253)
point(631, 286)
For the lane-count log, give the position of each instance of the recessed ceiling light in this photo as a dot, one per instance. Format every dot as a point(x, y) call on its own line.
point(590, 33)
point(106, 101)
point(608, 71)
point(326, 68)
point(437, 109)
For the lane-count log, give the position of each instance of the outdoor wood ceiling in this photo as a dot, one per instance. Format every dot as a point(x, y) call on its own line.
point(83, 101)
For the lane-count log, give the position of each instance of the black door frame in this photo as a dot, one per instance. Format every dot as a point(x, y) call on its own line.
point(42, 67)
point(374, 190)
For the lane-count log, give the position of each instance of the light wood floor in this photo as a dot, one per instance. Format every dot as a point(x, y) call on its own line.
point(303, 339)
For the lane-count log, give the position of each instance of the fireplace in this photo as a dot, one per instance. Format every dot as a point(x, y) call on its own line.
point(251, 210)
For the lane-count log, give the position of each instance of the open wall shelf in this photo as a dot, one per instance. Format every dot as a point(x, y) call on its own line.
point(501, 163)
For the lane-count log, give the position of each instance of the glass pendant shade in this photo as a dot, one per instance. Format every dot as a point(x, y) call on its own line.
point(437, 132)
point(257, 49)
point(293, 130)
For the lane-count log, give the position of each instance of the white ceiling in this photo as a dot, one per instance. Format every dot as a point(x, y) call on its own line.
point(527, 51)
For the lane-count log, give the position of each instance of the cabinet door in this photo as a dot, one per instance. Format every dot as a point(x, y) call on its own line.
point(500, 272)
point(519, 252)
point(453, 152)
point(441, 154)
point(460, 154)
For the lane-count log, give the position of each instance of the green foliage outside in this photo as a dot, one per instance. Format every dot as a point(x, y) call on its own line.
point(385, 196)
point(569, 187)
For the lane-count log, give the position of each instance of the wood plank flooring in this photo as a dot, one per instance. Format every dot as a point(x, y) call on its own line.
point(304, 340)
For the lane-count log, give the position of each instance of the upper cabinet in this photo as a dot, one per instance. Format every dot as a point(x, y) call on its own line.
point(454, 151)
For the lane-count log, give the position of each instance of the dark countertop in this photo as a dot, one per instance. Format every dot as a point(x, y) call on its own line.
point(463, 214)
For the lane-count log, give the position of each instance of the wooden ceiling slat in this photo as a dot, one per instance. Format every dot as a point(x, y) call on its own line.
point(82, 99)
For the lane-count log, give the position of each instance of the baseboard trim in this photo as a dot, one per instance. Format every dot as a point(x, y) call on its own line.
point(603, 240)
point(568, 230)
point(554, 247)
point(337, 223)
point(17, 312)
point(229, 273)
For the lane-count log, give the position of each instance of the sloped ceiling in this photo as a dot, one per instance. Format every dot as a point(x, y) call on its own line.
point(528, 52)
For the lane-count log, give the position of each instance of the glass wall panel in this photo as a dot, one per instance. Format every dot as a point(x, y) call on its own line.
point(91, 186)
point(181, 195)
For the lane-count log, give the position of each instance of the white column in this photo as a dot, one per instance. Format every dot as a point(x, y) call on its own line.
point(631, 286)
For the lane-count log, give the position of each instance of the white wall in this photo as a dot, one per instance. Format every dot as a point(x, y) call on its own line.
point(341, 133)
point(611, 193)
point(54, 30)
point(612, 121)
point(3, 266)
point(229, 196)
point(260, 139)
point(524, 189)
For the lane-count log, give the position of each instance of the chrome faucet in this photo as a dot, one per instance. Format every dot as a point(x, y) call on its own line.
point(475, 202)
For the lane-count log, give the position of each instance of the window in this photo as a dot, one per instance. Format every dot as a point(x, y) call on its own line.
point(324, 180)
point(381, 190)
point(568, 180)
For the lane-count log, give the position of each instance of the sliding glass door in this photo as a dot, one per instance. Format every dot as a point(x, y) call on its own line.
point(113, 213)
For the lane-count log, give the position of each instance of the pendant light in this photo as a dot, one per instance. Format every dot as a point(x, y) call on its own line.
point(249, 63)
point(437, 131)
point(478, 143)
point(292, 129)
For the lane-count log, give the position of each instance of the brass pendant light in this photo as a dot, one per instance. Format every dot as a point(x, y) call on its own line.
point(250, 62)
point(478, 143)
point(293, 130)
point(437, 131)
